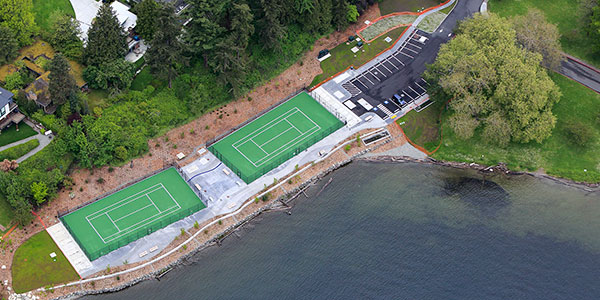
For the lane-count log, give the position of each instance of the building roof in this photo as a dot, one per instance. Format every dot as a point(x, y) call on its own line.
point(5, 97)
point(126, 18)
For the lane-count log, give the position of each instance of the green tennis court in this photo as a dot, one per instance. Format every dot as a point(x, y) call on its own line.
point(134, 212)
point(275, 137)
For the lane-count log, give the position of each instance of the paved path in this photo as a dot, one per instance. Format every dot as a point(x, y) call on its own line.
point(581, 72)
point(44, 141)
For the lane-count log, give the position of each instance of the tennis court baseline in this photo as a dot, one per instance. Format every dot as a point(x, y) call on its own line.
point(275, 137)
point(132, 213)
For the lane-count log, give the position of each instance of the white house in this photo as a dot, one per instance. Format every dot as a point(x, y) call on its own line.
point(7, 106)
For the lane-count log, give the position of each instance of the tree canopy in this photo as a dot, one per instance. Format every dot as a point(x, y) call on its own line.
point(537, 35)
point(494, 84)
point(62, 85)
point(9, 45)
point(17, 15)
point(147, 14)
point(64, 35)
point(166, 52)
point(106, 41)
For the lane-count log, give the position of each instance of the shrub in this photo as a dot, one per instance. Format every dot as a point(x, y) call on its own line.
point(110, 169)
point(100, 180)
point(196, 225)
point(347, 147)
point(18, 150)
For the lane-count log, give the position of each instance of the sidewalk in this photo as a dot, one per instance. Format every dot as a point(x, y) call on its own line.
point(581, 72)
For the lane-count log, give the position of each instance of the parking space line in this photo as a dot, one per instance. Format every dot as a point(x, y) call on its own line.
point(394, 57)
point(371, 72)
point(425, 81)
point(414, 45)
point(358, 79)
point(386, 68)
point(411, 50)
point(417, 83)
point(406, 54)
point(418, 94)
point(363, 76)
point(405, 93)
point(379, 72)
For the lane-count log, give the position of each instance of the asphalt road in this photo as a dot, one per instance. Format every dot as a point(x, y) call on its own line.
point(413, 69)
point(581, 73)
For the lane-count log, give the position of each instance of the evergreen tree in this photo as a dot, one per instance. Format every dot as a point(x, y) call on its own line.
point(9, 47)
point(340, 11)
point(147, 13)
point(17, 15)
point(230, 58)
point(64, 35)
point(106, 40)
point(204, 31)
point(62, 84)
point(166, 52)
point(270, 24)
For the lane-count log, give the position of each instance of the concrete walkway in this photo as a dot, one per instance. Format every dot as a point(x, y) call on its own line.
point(581, 72)
point(43, 139)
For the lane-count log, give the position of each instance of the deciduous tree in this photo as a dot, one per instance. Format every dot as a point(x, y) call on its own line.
point(17, 15)
point(537, 35)
point(495, 85)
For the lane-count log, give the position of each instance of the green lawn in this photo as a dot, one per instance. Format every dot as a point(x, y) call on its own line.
point(97, 98)
point(144, 79)
point(33, 268)
point(19, 150)
point(390, 6)
point(563, 13)
point(11, 135)
point(341, 56)
point(423, 128)
point(42, 10)
point(556, 155)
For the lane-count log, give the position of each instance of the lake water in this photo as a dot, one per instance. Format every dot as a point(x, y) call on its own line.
point(405, 231)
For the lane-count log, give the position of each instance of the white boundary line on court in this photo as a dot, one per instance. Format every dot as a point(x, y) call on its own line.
point(127, 230)
point(285, 115)
point(282, 116)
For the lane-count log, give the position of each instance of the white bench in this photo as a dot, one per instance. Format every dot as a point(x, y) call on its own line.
point(198, 186)
point(143, 253)
point(180, 155)
point(153, 248)
point(226, 172)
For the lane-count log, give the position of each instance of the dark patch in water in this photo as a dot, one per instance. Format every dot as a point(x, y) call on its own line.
point(485, 195)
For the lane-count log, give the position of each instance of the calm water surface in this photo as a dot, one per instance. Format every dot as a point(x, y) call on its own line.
point(405, 231)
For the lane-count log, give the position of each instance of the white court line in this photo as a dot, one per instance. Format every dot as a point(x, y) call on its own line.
point(257, 145)
point(127, 230)
point(96, 212)
point(177, 203)
point(244, 155)
point(276, 137)
point(278, 119)
point(97, 230)
point(153, 203)
point(119, 230)
point(133, 212)
point(293, 126)
point(310, 131)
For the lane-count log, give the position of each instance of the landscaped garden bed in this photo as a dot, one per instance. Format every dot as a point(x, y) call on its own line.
point(386, 24)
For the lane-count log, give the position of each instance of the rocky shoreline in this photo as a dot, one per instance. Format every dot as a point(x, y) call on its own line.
point(280, 203)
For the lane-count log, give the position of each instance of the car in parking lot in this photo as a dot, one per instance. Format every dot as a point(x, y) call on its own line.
point(399, 100)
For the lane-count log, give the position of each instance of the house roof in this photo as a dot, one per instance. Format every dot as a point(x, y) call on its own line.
point(126, 18)
point(5, 97)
